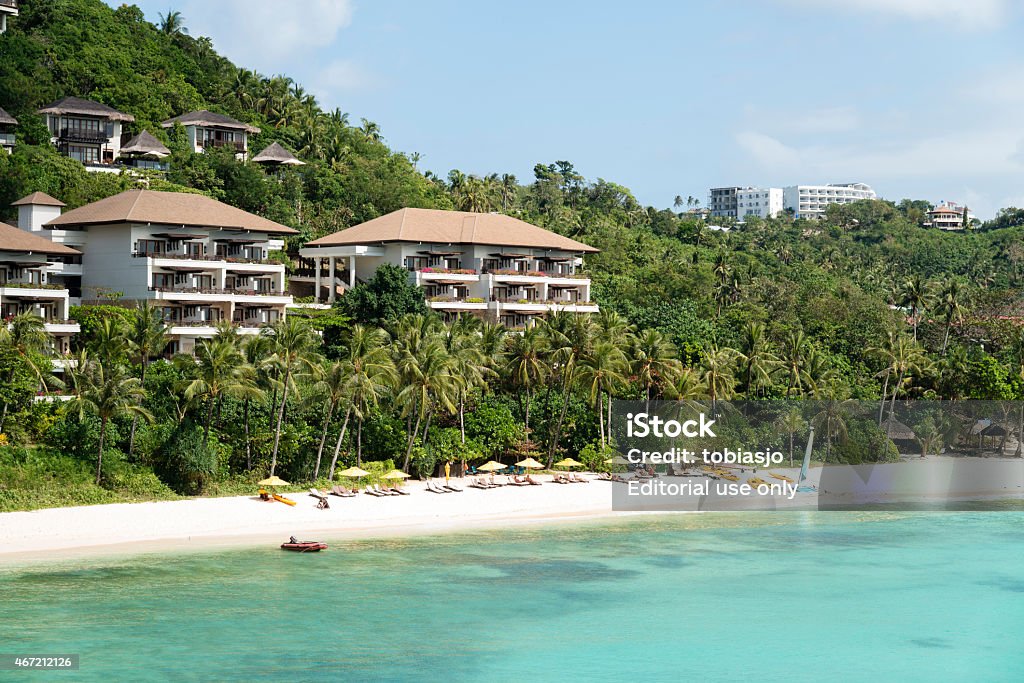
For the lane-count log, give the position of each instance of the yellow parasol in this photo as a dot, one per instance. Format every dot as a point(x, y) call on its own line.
point(353, 472)
point(273, 481)
point(568, 462)
point(491, 466)
point(617, 460)
point(396, 474)
point(447, 471)
point(530, 463)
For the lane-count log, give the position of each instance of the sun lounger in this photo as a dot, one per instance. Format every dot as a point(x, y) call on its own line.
point(397, 491)
point(435, 489)
point(453, 489)
point(369, 490)
point(530, 480)
point(385, 491)
point(477, 484)
point(577, 478)
point(342, 492)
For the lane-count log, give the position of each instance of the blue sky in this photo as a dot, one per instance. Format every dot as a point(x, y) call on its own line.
point(919, 98)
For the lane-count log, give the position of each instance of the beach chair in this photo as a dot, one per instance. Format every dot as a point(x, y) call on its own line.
point(475, 483)
point(579, 479)
point(453, 489)
point(369, 491)
point(530, 480)
point(384, 491)
point(397, 491)
point(433, 488)
point(342, 492)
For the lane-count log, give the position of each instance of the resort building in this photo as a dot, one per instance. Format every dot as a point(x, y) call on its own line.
point(763, 202)
point(7, 124)
point(30, 266)
point(199, 260)
point(486, 264)
point(948, 216)
point(207, 129)
point(8, 8)
point(810, 201)
point(87, 131)
point(722, 201)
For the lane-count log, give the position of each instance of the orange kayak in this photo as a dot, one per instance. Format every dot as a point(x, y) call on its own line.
point(287, 501)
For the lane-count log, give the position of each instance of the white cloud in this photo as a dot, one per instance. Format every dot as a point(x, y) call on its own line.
point(267, 35)
point(337, 76)
point(975, 14)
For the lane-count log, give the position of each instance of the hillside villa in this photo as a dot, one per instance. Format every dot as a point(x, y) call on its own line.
point(206, 129)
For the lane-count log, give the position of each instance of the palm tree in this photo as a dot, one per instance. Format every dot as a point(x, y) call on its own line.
point(109, 344)
point(833, 417)
point(791, 421)
point(220, 371)
point(653, 363)
point(368, 373)
point(916, 295)
point(147, 337)
point(600, 373)
point(26, 334)
point(949, 306)
point(718, 363)
point(108, 392)
point(257, 352)
point(427, 382)
point(903, 358)
point(295, 344)
point(756, 359)
point(172, 23)
point(794, 357)
point(470, 365)
point(524, 364)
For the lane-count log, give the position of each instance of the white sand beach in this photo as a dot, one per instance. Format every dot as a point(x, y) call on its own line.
point(204, 522)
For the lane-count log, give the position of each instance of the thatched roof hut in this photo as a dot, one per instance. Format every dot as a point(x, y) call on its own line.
point(77, 106)
point(6, 119)
point(897, 431)
point(145, 144)
point(278, 156)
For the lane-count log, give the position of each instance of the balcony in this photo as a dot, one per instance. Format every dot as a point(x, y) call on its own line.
point(13, 4)
point(80, 134)
point(238, 145)
point(62, 326)
point(234, 291)
point(451, 303)
point(216, 258)
point(7, 139)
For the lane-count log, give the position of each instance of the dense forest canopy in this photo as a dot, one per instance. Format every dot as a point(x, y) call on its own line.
point(864, 303)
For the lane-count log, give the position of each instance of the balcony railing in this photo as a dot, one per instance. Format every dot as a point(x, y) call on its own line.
point(6, 138)
point(214, 290)
point(13, 4)
point(29, 285)
point(449, 271)
point(237, 144)
point(205, 257)
point(83, 134)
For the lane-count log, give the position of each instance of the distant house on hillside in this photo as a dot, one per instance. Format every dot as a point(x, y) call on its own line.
point(87, 131)
point(948, 216)
point(7, 8)
point(7, 124)
point(208, 129)
point(276, 155)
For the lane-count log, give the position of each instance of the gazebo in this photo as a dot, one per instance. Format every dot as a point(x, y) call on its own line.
point(145, 151)
point(276, 155)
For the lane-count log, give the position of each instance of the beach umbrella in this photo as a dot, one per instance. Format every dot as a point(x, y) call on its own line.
point(617, 460)
point(447, 471)
point(530, 463)
point(273, 481)
point(353, 472)
point(568, 462)
point(491, 466)
point(396, 474)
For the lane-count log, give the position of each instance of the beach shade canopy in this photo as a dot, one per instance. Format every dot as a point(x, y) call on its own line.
point(396, 474)
point(273, 481)
point(530, 463)
point(491, 466)
point(353, 472)
point(568, 462)
point(617, 460)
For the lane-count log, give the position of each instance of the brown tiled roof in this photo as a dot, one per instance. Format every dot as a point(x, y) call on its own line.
point(76, 105)
point(204, 117)
point(144, 143)
point(451, 227)
point(168, 208)
point(39, 198)
point(276, 154)
point(15, 239)
point(7, 118)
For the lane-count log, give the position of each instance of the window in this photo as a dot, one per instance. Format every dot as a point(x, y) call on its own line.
point(149, 247)
point(84, 154)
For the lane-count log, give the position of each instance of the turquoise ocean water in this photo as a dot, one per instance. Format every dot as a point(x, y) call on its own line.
point(843, 596)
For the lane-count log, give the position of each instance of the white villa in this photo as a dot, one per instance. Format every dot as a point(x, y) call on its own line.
point(87, 131)
point(948, 216)
point(209, 129)
point(30, 266)
point(485, 264)
point(199, 260)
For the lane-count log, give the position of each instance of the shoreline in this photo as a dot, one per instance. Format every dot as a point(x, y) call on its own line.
point(229, 522)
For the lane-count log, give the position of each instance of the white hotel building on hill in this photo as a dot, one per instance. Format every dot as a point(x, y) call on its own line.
point(486, 264)
point(803, 201)
point(199, 260)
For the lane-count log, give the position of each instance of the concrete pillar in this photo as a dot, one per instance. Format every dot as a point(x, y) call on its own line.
point(316, 292)
point(330, 279)
point(351, 271)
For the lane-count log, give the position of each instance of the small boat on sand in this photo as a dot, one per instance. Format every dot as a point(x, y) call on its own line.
point(303, 546)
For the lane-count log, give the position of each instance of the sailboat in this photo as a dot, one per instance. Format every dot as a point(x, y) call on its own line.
point(801, 487)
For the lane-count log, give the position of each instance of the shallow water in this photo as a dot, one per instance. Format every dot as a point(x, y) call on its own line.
point(770, 596)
